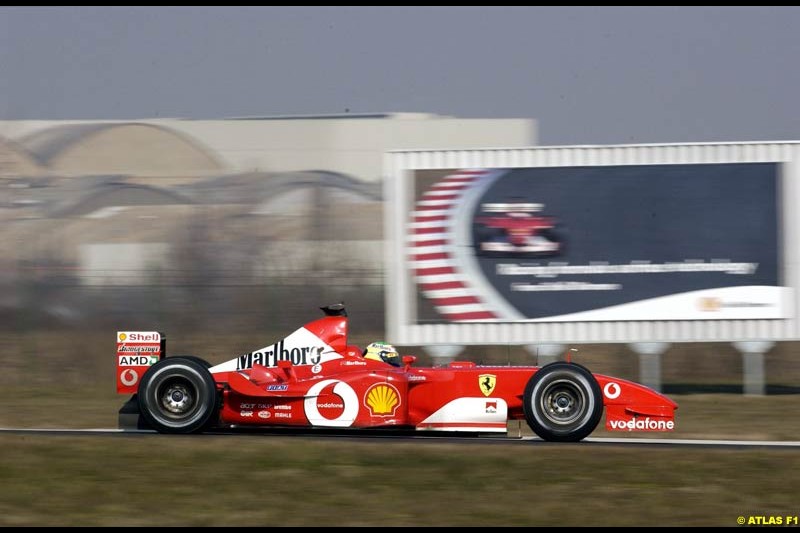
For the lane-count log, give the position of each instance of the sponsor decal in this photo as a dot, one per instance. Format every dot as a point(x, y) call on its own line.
point(283, 415)
point(142, 337)
point(129, 377)
point(469, 414)
point(246, 414)
point(278, 387)
point(716, 304)
point(382, 399)
point(248, 406)
point(354, 363)
point(708, 304)
point(487, 382)
point(269, 357)
point(264, 414)
point(330, 402)
point(316, 369)
point(139, 349)
point(642, 424)
point(283, 407)
point(138, 360)
point(122, 336)
point(414, 377)
point(612, 390)
point(301, 348)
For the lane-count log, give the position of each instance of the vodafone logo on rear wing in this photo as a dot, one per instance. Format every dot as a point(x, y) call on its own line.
point(136, 352)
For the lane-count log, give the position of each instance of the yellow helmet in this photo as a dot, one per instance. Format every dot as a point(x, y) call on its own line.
point(382, 351)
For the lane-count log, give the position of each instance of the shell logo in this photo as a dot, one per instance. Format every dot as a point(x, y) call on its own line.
point(382, 399)
point(122, 336)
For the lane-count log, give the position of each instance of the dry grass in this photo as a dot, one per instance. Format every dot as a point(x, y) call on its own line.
point(294, 481)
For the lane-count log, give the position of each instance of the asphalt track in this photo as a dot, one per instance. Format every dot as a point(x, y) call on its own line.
point(358, 435)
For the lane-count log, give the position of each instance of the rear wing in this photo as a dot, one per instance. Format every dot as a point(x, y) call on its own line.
point(136, 352)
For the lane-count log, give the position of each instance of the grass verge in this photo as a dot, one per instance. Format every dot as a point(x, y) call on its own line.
point(254, 480)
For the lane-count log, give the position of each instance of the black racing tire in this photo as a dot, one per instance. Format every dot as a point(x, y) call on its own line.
point(178, 395)
point(563, 402)
point(553, 235)
point(482, 234)
point(200, 360)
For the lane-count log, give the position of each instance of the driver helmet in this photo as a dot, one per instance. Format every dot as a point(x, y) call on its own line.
point(382, 351)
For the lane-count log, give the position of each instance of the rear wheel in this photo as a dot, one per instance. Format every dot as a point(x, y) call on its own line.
point(563, 402)
point(177, 395)
point(200, 360)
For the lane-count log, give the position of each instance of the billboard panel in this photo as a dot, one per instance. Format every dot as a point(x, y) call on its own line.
point(636, 242)
point(592, 244)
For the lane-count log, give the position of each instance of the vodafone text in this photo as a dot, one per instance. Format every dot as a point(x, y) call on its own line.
point(642, 424)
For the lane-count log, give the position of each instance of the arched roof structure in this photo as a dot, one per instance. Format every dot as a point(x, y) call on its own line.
point(15, 161)
point(134, 149)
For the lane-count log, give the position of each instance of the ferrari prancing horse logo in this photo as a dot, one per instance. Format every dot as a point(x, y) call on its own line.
point(487, 382)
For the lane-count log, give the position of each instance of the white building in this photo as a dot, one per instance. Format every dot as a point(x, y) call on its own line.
point(351, 144)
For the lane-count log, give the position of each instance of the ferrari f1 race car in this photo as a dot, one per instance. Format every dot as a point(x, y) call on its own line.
point(514, 229)
point(314, 379)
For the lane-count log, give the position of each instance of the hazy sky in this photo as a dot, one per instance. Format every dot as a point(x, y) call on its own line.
point(587, 74)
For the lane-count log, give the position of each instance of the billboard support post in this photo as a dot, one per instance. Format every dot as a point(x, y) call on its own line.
point(545, 353)
point(650, 362)
point(753, 376)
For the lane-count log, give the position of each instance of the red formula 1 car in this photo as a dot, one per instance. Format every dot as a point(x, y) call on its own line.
point(314, 379)
point(514, 228)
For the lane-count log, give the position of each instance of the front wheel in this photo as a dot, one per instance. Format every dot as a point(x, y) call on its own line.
point(177, 395)
point(563, 402)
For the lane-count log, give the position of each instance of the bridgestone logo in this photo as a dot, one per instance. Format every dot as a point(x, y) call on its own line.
point(139, 349)
point(642, 424)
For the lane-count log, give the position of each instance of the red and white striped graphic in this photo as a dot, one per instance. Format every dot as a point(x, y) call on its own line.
point(430, 257)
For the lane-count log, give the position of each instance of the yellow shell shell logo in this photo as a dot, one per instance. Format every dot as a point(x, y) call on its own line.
point(122, 336)
point(382, 399)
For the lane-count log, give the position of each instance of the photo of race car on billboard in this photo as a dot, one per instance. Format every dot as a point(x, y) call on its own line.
point(604, 243)
point(314, 379)
point(516, 229)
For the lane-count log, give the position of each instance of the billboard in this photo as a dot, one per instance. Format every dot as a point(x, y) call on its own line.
point(637, 242)
point(673, 241)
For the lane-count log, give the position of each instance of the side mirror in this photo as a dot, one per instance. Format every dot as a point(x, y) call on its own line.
point(409, 360)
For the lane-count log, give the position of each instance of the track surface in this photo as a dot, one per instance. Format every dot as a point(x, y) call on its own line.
point(361, 435)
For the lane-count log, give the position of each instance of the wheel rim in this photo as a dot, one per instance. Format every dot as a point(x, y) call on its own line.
point(562, 402)
point(176, 398)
